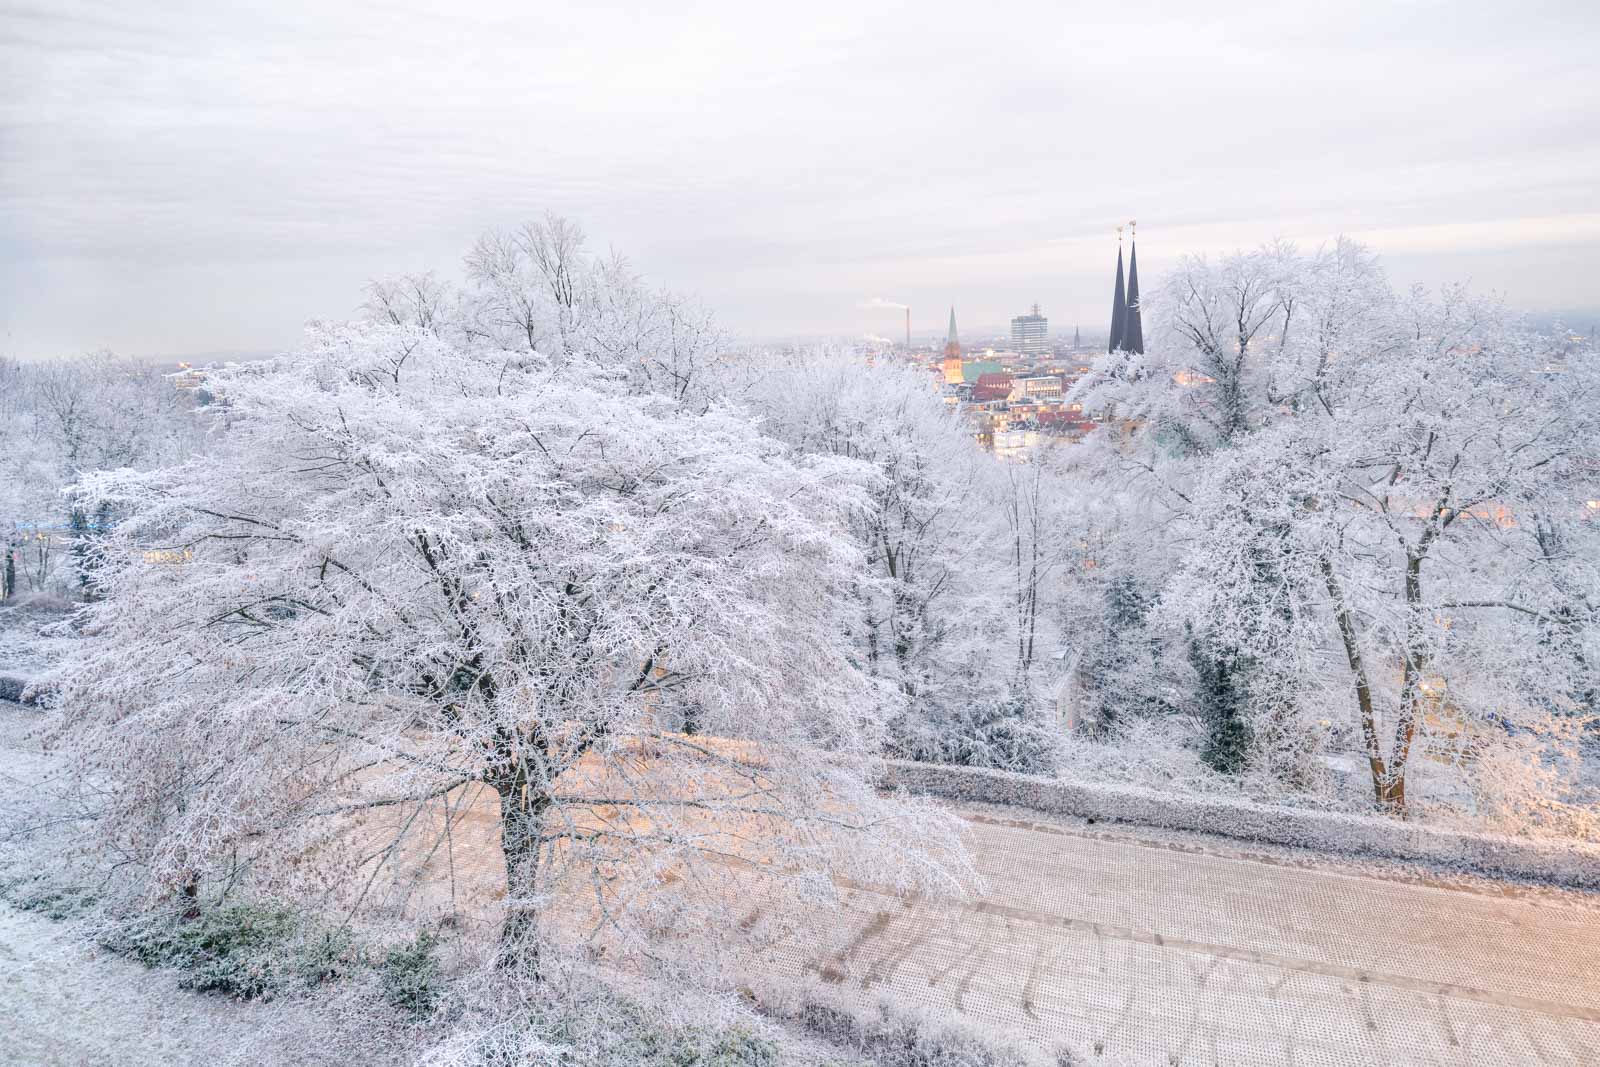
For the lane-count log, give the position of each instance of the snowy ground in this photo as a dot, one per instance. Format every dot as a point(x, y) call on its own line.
point(65, 1004)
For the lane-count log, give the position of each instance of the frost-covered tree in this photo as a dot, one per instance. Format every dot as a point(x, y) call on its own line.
point(1415, 488)
point(537, 295)
point(1037, 503)
point(419, 579)
point(419, 300)
point(1359, 486)
point(1121, 661)
point(945, 603)
point(62, 418)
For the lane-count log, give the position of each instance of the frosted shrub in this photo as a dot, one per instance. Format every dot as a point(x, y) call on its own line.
point(1157, 751)
point(1011, 734)
point(1530, 784)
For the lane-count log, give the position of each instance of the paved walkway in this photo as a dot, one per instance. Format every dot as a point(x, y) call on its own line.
point(1168, 956)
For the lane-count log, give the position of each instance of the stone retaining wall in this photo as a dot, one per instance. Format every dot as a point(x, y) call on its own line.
point(1575, 864)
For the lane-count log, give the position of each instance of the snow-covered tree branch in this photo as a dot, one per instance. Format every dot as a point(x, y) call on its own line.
point(417, 576)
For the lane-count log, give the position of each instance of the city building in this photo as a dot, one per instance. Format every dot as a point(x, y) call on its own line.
point(188, 377)
point(952, 354)
point(1015, 398)
point(1015, 444)
point(1133, 328)
point(1030, 333)
point(1070, 424)
point(990, 387)
point(1037, 387)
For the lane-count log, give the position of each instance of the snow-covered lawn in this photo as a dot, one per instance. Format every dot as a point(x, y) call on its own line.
point(65, 1003)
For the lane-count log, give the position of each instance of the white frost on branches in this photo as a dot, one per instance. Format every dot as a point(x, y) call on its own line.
point(1379, 502)
point(426, 573)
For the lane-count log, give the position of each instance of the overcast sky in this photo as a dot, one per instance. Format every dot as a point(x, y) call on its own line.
point(180, 178)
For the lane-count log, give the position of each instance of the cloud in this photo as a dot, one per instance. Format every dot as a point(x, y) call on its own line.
point(1487, 234)
point(207, 176)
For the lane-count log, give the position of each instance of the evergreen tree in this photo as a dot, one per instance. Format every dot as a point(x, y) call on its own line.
point(1118, 667)
point(1222, 700)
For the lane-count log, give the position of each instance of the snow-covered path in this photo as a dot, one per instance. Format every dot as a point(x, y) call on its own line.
point(1204, 953)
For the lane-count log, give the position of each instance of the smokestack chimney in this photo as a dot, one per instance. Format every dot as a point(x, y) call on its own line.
point(908, 328)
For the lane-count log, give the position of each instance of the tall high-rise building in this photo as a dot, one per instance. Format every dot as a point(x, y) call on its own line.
point(1030, 333)
point(952, 354)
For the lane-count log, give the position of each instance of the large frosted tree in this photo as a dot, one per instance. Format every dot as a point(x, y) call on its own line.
point(1430, 503)
point(421, 575)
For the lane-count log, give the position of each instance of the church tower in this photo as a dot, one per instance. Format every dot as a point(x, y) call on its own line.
point(952, 354)
point(1119, 302)
point(1133, 327)
point(1127, 327)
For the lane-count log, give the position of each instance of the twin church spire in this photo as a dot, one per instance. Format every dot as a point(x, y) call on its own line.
point(1127, 327)
point(1127, 324)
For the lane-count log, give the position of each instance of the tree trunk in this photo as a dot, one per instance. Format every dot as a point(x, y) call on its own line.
point(522, 811)
point(1392, 793)
point(1388, 782)
point(191, 897)
point(1391, 789)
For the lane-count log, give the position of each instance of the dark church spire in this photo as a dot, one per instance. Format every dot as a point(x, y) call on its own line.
point(952, 346)
point(1119, 302)
point(1132, 327)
